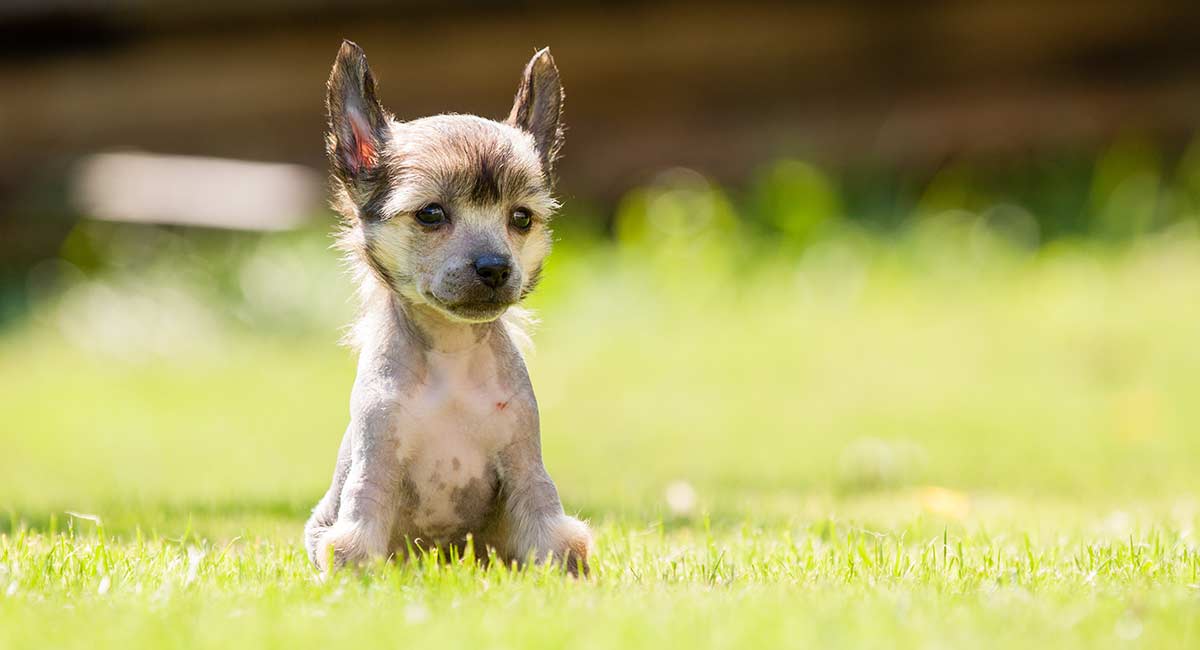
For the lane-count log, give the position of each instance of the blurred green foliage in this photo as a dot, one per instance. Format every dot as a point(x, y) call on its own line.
point(1126, 192)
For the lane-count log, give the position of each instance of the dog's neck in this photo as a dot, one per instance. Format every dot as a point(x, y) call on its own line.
point(391, 324)
point(415, 345)
point(432, 331)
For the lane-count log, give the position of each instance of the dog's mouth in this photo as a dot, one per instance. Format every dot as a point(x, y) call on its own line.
point(476, 311)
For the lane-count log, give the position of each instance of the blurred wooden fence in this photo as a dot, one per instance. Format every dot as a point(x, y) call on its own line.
point(717, 87)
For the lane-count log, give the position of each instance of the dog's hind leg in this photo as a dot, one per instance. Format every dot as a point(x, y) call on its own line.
point(325, 514)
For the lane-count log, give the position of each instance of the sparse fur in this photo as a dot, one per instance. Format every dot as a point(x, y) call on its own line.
point(445, 225)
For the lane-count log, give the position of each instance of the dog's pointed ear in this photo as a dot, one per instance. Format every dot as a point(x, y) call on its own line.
point(537, 108)
point(357, 122)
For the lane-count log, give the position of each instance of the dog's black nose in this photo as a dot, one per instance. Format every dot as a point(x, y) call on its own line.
point(493, 270)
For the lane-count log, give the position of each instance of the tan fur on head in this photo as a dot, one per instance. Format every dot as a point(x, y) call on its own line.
point(482, 175)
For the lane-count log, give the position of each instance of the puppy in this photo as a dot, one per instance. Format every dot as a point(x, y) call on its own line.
point(446, 226)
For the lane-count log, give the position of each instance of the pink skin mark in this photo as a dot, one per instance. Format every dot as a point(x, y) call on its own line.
point(500, 406)
point(364, 146)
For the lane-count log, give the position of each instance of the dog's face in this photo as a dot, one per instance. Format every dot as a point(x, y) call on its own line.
point(449, 211)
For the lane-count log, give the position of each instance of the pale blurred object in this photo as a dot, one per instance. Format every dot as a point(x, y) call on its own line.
point(681, 498)
point(873, 463)
point(944, 502)
point(192, 191)
point(1136, 414)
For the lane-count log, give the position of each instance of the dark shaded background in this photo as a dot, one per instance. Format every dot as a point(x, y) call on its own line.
point(894, 88)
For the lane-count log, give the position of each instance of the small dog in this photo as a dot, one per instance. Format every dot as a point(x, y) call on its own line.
point(445, 224)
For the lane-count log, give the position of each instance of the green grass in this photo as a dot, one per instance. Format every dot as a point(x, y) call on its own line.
point(815, 582)
point(938, 442)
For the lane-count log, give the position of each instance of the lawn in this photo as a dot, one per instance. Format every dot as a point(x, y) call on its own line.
point(938, 440)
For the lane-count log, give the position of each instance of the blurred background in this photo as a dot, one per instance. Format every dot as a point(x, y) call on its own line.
point(808, 248)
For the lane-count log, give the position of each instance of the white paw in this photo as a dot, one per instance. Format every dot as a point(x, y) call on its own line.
point(348, 542)
point(572, 544)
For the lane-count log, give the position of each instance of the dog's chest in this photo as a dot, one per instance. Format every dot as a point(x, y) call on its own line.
point(448, 436)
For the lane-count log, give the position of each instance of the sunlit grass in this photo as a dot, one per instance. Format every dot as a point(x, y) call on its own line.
point(935, 441)
point(818, 581)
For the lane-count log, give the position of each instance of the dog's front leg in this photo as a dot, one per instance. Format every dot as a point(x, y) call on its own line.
point(368, 498)
point(533, 524)
point(325, 514)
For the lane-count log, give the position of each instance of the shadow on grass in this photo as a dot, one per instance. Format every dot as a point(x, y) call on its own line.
point(278, 519)
point(197, 520)
point(283, 519)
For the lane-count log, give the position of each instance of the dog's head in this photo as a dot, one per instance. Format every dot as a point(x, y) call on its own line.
point(449, 211)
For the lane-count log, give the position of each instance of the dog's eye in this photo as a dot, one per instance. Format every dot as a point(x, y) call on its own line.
point(431, 215)
point(521, 219)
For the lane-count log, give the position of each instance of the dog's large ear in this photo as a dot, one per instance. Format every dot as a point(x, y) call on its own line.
point(357, 122)
point(538, 106)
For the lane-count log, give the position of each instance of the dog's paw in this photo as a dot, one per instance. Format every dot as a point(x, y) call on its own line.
point(573, 545)
point(334, 545)
point(346, 543)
